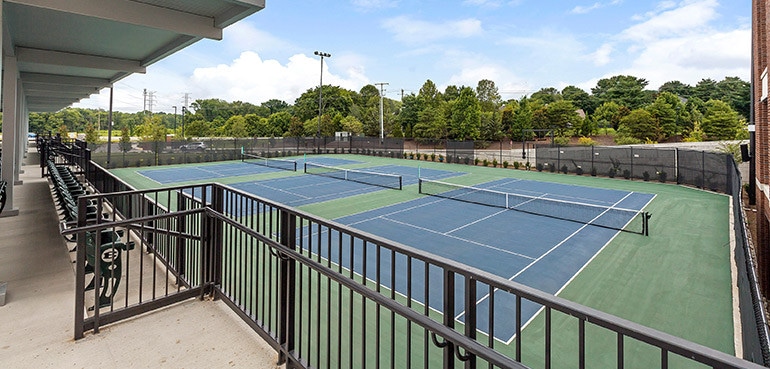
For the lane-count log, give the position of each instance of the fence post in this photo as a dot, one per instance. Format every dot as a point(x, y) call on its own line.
point(212, 236)
point(703, 169)
point(449, 317)
point(287, 283)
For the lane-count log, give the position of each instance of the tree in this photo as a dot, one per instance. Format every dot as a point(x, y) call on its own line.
point(274, 106)
point(92, 135)
point(737, 93)
point(561, 116)
point(465, 121)
point(409, 114)
point(547, 95)
point(335, 100)
point(706, 89)
point(296, 128)
point(609, 114)
point(720, 122)
point(352, 125)
point(488, 96)
point(431, 123)
point(491, 126)
point(522, 119)
point(677, 88)
point(236, 126)
point(429, 94)
point(451, 92)
point(664, 111)
point(579, 98)
point(278, 123)
point(623, 90)
point(640, 125)
point(125, 140)
point(197, 128)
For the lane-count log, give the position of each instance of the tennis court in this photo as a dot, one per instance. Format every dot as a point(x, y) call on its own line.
point(329, 185)
point(543, 252)
point(662, 281)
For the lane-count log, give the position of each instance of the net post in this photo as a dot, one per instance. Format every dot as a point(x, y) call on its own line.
point(305, 164)
point(400, 183)
point(419, 185)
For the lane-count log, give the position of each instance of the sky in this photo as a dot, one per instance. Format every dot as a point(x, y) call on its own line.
point(521, 45)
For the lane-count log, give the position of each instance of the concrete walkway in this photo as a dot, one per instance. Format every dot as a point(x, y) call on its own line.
point(37, 321)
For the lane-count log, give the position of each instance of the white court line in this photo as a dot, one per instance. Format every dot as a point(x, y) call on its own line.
point(540, 258)
point(458, 238)
point(282, 190)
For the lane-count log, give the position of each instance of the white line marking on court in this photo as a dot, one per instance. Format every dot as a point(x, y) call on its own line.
point(479, 301)
point(458, 238)
point(479, 220)
point(158, 182)
point(282, 190)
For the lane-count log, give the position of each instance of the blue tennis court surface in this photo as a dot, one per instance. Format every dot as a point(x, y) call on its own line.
point(308, 189)
point(204, 172)
point(229, 169)
point(540, 252)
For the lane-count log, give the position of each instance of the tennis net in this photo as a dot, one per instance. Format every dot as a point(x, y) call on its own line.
point(269, 162)
point(371, 178)
point(627, 220)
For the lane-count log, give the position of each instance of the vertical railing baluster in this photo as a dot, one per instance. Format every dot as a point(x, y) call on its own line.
point(287, 288)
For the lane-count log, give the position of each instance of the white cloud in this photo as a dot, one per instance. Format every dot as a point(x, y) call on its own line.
point(602, 55)
point(690, 18)
point(251, 79)
point(680, 42)
point(581, 9)
point(412, 31)
point(367, 5)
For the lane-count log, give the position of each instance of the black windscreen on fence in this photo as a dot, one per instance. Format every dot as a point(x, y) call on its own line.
point(696, 168)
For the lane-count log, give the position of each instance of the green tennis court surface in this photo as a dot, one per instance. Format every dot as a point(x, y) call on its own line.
point(676, 280)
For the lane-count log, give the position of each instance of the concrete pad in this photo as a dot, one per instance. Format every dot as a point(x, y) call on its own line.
point(37, 321)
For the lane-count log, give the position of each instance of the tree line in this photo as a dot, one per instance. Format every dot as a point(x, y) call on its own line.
point(621, 105)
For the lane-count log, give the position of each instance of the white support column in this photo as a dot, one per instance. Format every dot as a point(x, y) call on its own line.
point(10, 130)
point(21, 134)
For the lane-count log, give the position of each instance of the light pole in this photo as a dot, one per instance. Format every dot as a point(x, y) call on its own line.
point(184, 109)
point(320, 94)
point(174, 118)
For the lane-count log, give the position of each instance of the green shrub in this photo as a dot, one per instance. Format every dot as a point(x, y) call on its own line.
point(505, 164)
point(564, 169)
point(611, 173)
point(494, 163)
point(433, 157)
point(561, 140)
point(539, 167)
point(475, 161)
point(527, 165)
point(626, 174)
point(593, 171)
point(552, 168)
point(440, 158)
point(662, 176)
point(646, 176)
point(626, 140)
point(586, 141)
point(485, 162)
point(579, 171)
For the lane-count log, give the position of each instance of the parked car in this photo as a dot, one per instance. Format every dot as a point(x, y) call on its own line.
point(193, 146)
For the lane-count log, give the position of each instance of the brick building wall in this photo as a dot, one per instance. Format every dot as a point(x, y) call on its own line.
point(760, 82)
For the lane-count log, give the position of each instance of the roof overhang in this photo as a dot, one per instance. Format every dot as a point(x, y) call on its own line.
point(67, 50)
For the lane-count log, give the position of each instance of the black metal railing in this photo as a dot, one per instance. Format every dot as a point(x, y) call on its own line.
point(326, 295)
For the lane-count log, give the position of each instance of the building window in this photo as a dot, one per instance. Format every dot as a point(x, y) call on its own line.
point(764, 84)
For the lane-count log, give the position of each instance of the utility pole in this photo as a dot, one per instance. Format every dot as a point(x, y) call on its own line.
point(150, 100)
point(144, 100)
point(382, 121)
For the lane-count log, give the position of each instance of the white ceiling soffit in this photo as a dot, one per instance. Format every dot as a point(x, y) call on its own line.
point(70, 49)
